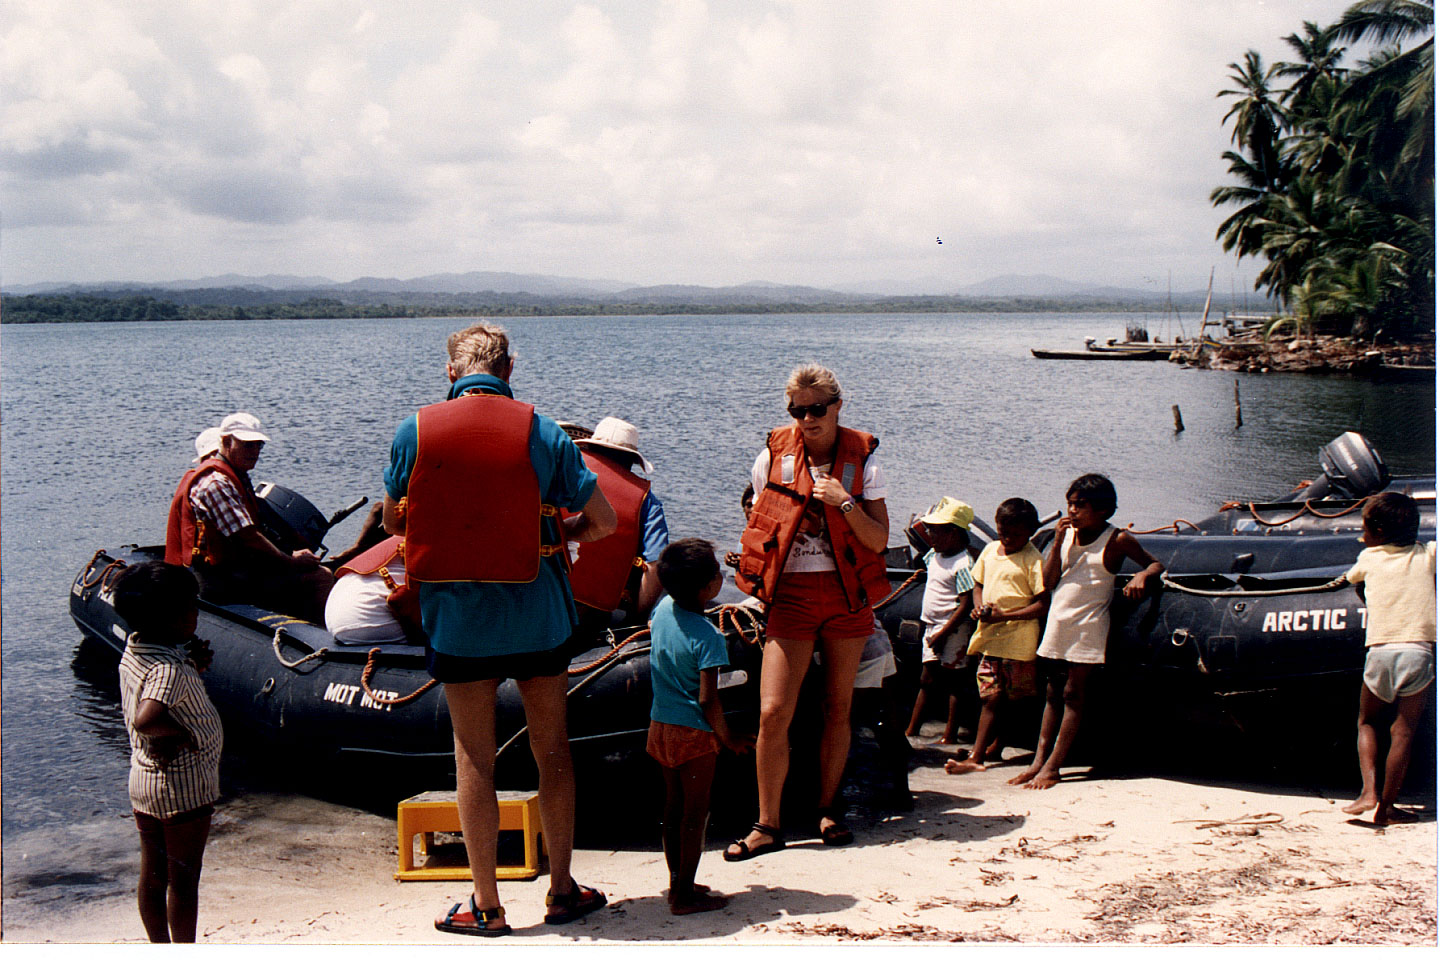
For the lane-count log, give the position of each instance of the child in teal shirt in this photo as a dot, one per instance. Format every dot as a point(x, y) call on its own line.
point(687, 722)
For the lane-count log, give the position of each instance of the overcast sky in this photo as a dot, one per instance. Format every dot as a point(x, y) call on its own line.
point(676, 141)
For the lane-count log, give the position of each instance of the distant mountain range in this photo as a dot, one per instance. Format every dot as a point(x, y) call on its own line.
point(544, 286)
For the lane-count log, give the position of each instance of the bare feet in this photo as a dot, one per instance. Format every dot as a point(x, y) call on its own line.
point(947, 741)
point(963, 766)
point(698, 903)
point(1385, 814)
point(1024, 776)
point(1360, 805)
point(1043, 781)
point(699, 888)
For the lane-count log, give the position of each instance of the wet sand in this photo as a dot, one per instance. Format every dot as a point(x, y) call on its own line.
point(1133, 860)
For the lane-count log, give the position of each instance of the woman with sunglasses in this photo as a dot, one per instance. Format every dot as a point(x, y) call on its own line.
point(813, 552)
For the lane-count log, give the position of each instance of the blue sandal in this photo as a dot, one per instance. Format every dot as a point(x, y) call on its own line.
point(470, 920)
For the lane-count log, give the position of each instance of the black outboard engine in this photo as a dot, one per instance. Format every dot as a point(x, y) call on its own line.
point(1350, 469)
point(289, 520)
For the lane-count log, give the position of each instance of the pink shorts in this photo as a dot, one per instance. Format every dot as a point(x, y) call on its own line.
point(812, 606)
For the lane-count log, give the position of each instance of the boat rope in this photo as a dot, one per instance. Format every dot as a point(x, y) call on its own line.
point(106, 574)
point(388, 698)
point(605, 664)
point(275, 645)
point(899, 590)
point(1305, 508)
point(615, 649)
point(1335, 584)
point(730, 613)
point(1174, 527)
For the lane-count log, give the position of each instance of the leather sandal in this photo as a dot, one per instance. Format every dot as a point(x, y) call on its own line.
point(575, 904)
point(838, 834)
point(470, 920)
point(777, 842)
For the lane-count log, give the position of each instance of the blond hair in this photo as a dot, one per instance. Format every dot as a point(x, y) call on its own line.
point(479, 348)
point(812, 376)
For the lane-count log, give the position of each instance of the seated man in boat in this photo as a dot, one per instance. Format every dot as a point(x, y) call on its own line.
point(476, 485)
point(212, 529)
point(620, 572)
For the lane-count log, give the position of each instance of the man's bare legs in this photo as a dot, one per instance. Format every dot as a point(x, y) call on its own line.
point(472, 714)
point(544, 701)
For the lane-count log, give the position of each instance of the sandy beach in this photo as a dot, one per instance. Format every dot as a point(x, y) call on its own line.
point(1135, 860)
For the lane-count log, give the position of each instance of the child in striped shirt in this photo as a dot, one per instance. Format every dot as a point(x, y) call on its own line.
point(175, 740)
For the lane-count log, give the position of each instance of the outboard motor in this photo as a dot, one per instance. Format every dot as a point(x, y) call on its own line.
point(289, 520)
point(1350, 469)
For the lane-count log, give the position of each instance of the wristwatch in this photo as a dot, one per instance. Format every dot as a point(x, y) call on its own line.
point(847, 506)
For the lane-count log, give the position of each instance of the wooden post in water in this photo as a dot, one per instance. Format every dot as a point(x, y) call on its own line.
point(1179, 424)
point(1238, 421)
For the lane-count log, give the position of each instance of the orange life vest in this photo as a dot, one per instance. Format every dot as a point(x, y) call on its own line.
point(404, 600)
point(472, 507)
point(187, 536)
point(780, 508)
point(603, 567)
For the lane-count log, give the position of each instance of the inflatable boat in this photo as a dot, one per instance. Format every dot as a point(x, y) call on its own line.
point(1248, 610)
point(1249, 622)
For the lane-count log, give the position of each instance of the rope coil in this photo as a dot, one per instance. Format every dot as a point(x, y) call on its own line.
point(107, 573)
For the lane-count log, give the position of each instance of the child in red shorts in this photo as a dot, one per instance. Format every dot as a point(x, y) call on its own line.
point(687, 721)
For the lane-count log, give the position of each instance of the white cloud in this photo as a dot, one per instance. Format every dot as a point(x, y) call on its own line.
point(677, 141)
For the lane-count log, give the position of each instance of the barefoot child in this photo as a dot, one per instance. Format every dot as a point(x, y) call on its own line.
point(1080, 570)
point(1009, 601)
point(944, 610)
point(1395, 576)
point(175, 741)
point(687, 722)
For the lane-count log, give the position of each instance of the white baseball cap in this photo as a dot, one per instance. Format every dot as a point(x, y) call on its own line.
point(242, 426)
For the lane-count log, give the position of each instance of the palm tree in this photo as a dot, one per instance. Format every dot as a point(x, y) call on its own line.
point(1258, 118)
point(1319, 60)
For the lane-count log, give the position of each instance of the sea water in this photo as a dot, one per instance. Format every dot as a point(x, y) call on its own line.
point(97, 423)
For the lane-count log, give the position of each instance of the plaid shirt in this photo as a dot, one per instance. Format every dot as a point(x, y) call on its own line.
point(216, 501)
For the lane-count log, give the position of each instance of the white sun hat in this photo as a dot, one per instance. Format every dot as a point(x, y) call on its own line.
point(616, 434)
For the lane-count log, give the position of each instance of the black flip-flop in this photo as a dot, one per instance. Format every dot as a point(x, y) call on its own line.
point(777, 842)
point(481, 918)
point(578, 902)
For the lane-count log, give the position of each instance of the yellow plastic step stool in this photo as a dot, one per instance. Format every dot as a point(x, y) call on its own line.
point(435, 812)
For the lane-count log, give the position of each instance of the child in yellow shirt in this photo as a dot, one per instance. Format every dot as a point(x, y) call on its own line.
point(1009, 602)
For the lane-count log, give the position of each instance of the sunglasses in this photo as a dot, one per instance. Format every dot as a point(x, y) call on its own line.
point(816, 410)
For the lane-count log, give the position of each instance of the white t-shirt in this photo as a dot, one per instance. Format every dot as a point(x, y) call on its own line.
point(947, 580)
point(811, 553)
point(356, 611)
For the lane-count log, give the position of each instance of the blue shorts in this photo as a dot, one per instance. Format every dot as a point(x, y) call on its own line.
point(513, 666)
point(1399, 669)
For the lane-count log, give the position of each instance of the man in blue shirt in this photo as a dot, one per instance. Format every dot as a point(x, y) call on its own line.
point(481, 631)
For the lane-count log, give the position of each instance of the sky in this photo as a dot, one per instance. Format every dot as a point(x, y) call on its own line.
point(676, 141)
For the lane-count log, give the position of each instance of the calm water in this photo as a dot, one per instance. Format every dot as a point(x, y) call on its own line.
point(98, 422)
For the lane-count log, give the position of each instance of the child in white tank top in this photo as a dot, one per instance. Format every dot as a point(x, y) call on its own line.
point(1080, 570)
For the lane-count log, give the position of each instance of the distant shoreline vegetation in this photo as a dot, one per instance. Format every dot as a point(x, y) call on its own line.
point(246, 304)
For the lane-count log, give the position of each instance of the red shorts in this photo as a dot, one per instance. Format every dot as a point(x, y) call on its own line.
point(812, 606)
point(673, 745)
